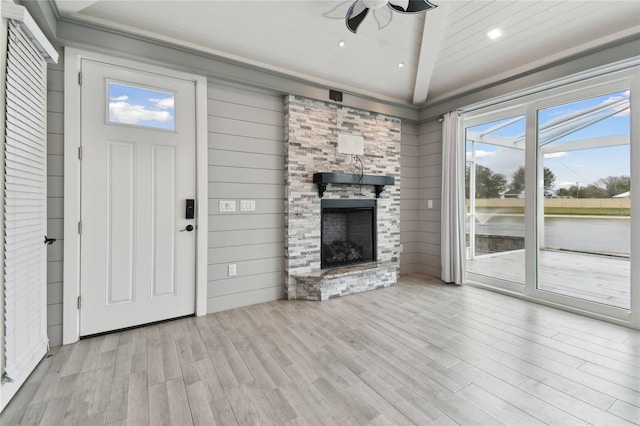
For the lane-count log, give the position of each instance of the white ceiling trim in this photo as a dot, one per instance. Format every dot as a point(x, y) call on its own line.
point(431, 34)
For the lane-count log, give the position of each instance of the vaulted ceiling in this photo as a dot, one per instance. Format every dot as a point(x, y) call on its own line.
point(444, 52)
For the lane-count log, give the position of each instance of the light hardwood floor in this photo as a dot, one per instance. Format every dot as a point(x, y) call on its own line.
point(418, 353)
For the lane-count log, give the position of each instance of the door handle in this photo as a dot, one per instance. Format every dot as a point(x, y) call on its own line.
point(188, 228)
point(49, 241)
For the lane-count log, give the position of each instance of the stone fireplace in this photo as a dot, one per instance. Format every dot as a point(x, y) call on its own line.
point(348, 232)
point(342, 213)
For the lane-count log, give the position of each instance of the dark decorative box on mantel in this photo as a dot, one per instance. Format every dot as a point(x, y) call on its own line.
point(379, 182)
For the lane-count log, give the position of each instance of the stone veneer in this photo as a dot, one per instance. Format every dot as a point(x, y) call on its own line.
point(311, 132)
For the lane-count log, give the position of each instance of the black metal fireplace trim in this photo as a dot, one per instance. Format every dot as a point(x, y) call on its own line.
point(348, 204)
point(352, 204)
point(379, 182)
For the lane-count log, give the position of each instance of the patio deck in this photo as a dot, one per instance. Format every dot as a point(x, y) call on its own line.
point(600, 279)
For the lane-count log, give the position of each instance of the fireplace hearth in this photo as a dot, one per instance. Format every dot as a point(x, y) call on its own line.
point(348, 234)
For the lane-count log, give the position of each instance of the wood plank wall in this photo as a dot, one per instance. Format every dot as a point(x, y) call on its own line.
point(246, 161)
point(55, 200)
point(409, 258)
point(429, 188)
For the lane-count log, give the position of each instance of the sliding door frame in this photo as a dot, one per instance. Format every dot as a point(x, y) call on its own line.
point(627, 79)
point(483, 117)
point(534, 176)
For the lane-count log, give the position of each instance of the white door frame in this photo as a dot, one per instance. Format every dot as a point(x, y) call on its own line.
point(71, 275)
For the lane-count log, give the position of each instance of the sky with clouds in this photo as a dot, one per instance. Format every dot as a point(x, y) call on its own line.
point(141, 106)
point(583, 166)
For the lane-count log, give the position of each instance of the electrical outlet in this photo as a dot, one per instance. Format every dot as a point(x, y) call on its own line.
point(232, 270)
point(429, 204)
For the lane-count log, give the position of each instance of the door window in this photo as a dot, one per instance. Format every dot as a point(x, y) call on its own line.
point(140, 106)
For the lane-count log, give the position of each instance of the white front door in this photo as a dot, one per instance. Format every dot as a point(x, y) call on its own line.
point(138, 144)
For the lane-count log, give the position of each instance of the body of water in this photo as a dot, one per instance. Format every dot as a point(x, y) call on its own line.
point(596, 234)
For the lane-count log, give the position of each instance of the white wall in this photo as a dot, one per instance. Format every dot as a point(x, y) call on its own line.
point(246, 161)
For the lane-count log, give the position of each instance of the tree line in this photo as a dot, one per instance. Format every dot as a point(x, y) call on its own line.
point(494, 185)
point(605, 187)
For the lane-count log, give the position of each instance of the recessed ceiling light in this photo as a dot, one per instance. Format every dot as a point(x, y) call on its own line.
point(341, 43)
point(494, 33)
point(400, 64)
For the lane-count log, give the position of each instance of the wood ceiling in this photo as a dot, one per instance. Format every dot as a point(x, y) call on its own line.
point(445, 51)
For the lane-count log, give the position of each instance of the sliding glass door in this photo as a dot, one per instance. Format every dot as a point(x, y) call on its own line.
point(584, 247)
point(550, 194)
point(495, 199)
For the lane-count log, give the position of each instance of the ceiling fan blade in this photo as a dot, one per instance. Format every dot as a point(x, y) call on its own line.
point(338, 11)
point(411, 6)
point(383, 17)
point(355, 15)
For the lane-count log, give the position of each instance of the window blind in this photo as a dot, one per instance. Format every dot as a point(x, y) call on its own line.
point(25, 209)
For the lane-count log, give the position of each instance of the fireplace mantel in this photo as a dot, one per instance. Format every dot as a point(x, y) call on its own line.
point(378, 181)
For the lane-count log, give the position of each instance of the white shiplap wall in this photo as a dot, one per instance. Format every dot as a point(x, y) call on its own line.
point(246, 162)
point(55, 172)
point(409, 258)
point(429, 188)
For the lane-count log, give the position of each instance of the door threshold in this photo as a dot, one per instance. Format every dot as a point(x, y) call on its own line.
point(133, 327)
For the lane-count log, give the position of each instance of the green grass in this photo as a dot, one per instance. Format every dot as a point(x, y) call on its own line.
point(576, 211)
point(589, 211)
point(498, 210)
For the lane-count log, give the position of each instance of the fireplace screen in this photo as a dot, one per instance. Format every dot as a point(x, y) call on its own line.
point(348, 232)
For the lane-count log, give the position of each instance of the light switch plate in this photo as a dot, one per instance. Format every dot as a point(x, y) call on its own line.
point(232, 270)
point(429, 204)
point(227, 206)
point(247, 205)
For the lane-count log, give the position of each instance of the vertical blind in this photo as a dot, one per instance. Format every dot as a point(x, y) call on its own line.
point(25, 208)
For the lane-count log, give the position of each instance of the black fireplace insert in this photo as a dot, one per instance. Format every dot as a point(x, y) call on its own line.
point(348, 232)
